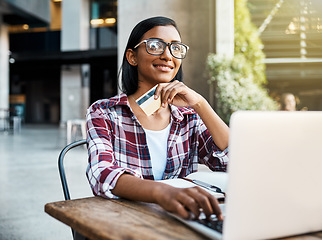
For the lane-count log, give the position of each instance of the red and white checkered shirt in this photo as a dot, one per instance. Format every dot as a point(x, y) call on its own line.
point(117, 144)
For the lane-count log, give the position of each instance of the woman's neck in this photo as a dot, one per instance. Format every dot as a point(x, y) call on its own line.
point(156, 121)
point(142, 89)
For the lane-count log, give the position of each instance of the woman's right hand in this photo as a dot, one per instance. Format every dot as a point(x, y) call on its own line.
point(181, 201)
point(184, 201)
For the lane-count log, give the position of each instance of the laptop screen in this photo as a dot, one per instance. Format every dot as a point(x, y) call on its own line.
point(275, 180)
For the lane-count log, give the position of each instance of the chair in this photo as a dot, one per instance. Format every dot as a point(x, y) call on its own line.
point(76, 235)
point(61, 165)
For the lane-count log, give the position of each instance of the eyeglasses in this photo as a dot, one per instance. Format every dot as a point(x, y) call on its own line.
point(157, 47)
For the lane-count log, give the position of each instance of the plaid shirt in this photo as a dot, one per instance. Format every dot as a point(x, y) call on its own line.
point(117, 144)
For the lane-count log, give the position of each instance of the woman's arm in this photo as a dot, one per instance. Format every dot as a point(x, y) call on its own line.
point(103, 170)
point(217, 128)
point(176, 200)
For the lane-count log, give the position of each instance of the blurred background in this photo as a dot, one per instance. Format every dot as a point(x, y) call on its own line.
point(59, 56)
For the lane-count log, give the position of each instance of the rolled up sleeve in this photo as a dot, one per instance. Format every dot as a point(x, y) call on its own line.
point(209, 153)
point(102, 171)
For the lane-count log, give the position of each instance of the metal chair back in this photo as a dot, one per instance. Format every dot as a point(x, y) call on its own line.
point(61, 165)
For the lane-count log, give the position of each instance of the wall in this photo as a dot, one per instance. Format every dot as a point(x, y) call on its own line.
point(74, 78)
point(4, 66)
point(75, 25)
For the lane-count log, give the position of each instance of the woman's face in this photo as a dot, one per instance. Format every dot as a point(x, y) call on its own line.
point(154, 69)
point(290, 103)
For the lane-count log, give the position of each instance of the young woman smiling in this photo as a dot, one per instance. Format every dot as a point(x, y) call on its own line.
point(128, 149)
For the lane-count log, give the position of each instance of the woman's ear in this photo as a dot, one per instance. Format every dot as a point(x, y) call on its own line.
point(131, 58)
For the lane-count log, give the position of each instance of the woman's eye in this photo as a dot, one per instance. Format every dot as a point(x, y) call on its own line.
point(155, 46)
point(176, 48)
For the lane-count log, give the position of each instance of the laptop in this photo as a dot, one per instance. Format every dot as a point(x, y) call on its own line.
point(274, 176)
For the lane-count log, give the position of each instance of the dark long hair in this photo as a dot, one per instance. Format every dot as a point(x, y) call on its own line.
point(129, 73)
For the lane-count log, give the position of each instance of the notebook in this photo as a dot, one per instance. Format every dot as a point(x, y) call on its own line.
point(212, 182)
point(274, 176)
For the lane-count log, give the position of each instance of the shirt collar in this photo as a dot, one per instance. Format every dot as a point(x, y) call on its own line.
point(179, 112)
point(176, 112)
point(120, 99)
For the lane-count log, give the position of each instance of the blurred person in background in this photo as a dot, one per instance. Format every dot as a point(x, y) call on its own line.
point(288, 102)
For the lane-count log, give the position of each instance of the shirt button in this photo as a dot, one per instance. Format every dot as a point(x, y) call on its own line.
point(166, 177)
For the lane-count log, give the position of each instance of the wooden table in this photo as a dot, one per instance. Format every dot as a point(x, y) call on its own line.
point(98, 218)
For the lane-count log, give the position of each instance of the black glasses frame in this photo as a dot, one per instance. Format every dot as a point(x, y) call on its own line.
point(165, 44)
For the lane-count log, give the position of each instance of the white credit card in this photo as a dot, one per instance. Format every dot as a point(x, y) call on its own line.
point(147, 102)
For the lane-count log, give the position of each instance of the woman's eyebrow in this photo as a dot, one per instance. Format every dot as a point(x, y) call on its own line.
point(155, 38)
point(176, 41)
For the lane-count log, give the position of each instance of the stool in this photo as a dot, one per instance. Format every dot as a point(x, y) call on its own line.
point(72, 126)
point(16, 122)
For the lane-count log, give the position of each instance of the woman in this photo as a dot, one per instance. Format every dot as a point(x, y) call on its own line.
point(129, 149)
point(288, 102)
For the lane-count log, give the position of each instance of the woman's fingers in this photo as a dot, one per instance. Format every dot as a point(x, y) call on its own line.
point(176, 200)
point(216, 209)
point(190, 204)
point(209, 204)
point(158, 93)
point(196, 200)
point(169, 91)
point(187, 202)
point(180, 209)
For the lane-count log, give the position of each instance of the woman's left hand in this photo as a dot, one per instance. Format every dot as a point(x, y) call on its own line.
point(178, 94)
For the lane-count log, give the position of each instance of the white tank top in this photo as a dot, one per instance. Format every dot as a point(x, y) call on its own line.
point(157, 143)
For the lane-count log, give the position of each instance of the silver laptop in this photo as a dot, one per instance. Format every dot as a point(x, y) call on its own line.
point(274, 176)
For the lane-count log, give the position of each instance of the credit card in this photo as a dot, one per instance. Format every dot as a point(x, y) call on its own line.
point(147, 102)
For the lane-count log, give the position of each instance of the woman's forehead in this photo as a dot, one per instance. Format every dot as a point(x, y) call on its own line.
point(167, 33)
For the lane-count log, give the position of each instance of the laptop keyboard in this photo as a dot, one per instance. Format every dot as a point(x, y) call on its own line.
point(213, 224)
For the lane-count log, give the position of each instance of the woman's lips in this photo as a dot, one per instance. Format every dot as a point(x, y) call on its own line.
point(164, 68)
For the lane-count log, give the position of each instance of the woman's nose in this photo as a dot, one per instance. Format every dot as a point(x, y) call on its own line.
point(166, 54)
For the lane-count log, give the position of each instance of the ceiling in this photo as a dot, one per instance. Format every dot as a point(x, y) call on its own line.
point(13, 15)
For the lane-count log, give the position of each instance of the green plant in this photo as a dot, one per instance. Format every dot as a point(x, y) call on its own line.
point(239, 80)
point(248, 42)
point(235, 86)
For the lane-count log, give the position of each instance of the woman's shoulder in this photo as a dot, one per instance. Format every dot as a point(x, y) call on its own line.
point(185, 115)
point(186, 110)
point(120, 99)
point(180, 112)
